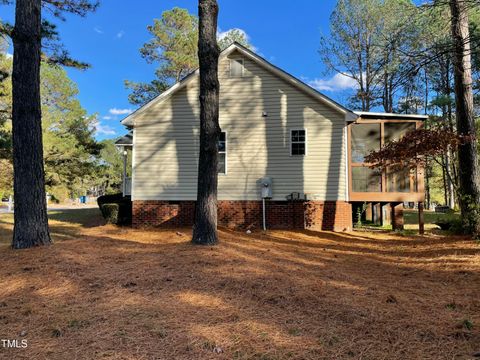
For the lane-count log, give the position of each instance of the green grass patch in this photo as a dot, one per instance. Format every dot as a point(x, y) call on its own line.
point(63, 223)
point(430, 217)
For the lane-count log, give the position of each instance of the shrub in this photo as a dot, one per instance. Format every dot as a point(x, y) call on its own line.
point(116, 209)
point(111, 213)
point(453, 225)
point(109, 199)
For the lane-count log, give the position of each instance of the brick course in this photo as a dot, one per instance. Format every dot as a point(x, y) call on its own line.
point(328, 215)
point(315, 215)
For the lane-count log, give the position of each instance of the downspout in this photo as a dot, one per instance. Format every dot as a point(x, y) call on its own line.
point(349, 117)
point(125, 154)
point(347, 173)
point(264, 217)
point(265, 192)
point(132, 182)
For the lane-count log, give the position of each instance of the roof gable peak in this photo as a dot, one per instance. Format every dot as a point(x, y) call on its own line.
point(235, 46)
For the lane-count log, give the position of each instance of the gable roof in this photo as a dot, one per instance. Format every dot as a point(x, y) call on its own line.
point(126, 140)
point(350, 115)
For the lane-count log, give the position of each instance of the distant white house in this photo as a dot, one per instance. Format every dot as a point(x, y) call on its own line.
point(274, 126)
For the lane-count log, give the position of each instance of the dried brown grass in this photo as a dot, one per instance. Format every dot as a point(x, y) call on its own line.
point(103, 292)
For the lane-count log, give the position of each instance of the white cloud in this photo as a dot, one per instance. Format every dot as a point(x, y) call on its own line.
point(8, 55)
point(338, 82)
point(120, 34)
point(98, 30)
point(222, 34)
point(107, 117)
point(115, 111)
point(103, 129)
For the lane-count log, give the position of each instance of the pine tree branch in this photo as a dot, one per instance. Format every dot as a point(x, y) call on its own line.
point(77, 7)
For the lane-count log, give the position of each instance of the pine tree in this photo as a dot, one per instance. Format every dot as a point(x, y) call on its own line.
point(31, 222)
point(174, 47)
point(205, 226)
point(467, 151)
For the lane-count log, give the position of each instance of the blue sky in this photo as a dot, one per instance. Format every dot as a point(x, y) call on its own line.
point(284, 32)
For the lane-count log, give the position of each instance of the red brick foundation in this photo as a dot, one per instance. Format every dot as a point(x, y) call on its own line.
point(162, 213)
point(328, 215)
point(315, 215)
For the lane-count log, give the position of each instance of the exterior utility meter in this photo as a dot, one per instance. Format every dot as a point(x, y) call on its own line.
point(266, 187)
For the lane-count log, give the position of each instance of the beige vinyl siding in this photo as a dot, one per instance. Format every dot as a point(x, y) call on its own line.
point(166, 141)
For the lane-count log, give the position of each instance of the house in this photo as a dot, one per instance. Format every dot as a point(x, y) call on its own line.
point(275, 129)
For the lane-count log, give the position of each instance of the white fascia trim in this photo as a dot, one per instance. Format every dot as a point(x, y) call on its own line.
point(129, 120)
point(413, 116)
point(347, 170)
point(132, 183)
point(348, 118)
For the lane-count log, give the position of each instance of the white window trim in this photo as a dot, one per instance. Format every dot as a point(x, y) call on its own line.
point(306, 141)
point(230, 67)
point(226, 154)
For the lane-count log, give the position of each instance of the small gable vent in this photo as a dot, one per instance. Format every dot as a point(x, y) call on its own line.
point(236, 67)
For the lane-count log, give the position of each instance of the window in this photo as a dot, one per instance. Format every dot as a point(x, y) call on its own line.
point(365, 138)
point(298, 142)
point(236, 67)
point(222, 153)
point(365, 179)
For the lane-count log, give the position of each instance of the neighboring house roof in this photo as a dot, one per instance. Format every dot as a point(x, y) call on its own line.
point(126, 140)
point(349, 115)
point(377, 115)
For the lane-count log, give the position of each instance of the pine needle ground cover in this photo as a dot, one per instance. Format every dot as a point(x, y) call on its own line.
point(104, 292)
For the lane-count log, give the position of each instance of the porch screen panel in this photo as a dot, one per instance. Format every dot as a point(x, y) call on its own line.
point(365, 179)
point(365, 138)
point(399, 180)
point(395, 131)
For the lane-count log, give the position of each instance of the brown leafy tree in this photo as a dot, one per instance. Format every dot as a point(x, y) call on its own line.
point(31, 222)
point(205, 227)
point(413, 148)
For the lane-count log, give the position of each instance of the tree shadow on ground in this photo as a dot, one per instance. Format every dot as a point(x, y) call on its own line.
point(120, 293)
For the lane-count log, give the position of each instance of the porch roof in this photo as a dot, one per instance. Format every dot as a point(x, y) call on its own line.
point(392, 116)
point(126, 140)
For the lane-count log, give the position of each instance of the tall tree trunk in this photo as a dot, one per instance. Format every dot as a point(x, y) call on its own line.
point(427, 184)
point(385, 99)
point(31, 222)
point(448, 93)
point(425, 112)
point(467, 152)
point(205, 227)
point(451, 192)
point(427, 163)
point(390, 95)
point(444, 178)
